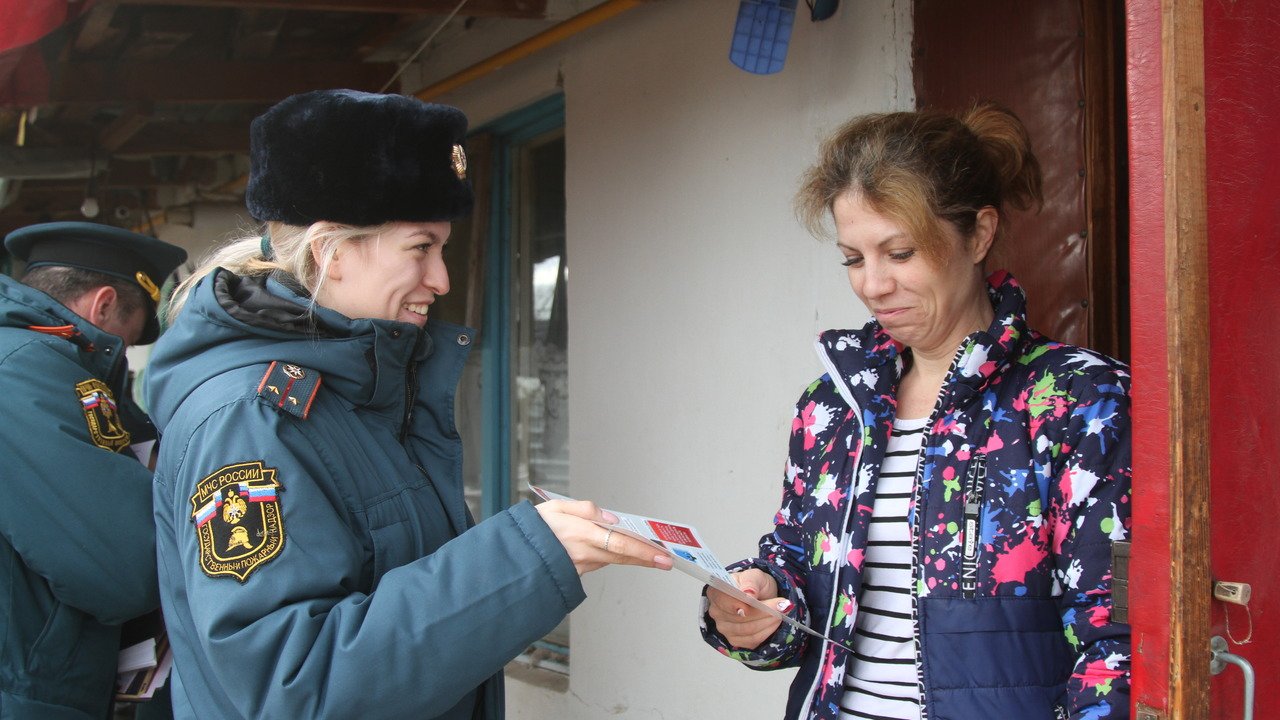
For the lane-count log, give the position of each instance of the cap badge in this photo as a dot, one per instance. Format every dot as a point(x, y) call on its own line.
point(459, 162)
point(148, 285)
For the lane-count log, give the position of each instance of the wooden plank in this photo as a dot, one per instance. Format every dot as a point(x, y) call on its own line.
point(1187, 299)
point(208, 82)
point(528, 9)
point(1104, 191)
point(96, 29)
point(160, 31)
point(133, 174)
point(256, 33)
point(27, 163)
point(124, 127)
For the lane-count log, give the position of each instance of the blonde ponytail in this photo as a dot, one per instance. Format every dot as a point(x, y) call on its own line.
point(291, 254)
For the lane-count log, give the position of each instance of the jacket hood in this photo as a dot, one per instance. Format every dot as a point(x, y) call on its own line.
point(855, 355)
point(231, 322)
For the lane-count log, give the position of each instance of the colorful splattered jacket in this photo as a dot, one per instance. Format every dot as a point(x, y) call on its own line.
point(1023, 485)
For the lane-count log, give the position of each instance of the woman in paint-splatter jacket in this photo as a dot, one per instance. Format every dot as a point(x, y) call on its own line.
point(955, 480)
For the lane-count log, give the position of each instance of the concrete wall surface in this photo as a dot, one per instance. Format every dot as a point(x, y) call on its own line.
point(694, 298)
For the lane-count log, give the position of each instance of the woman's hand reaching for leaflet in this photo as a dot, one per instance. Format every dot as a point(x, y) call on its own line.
point(743, 625)
point(590, 546)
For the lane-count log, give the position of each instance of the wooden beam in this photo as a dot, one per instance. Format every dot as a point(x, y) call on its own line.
point(525, 48)
point(178, 138)
point(160, 31)
point(1187, 300)
point(529, 9)
point(124, 127)
point(96, 30)
point(208, 82)
point(131, 175)
point(30, 163)
point(255, 34)
point(139, 174)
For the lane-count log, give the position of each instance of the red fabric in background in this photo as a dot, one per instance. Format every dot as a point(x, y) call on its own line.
point(24, 77)
point(23, 22)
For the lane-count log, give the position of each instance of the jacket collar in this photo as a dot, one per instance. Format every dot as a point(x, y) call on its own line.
point(867, 363)
point(25, 307)
point(366, 360)
point(231, 322)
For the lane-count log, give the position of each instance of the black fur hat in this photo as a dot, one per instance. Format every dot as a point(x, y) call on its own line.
point(357, 158)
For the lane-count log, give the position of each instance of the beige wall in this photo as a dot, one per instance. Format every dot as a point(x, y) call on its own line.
point(694, 297)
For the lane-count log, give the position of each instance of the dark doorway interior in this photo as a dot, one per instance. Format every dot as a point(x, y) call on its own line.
point(1058, 64)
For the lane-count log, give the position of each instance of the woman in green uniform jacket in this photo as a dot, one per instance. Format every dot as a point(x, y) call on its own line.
point(316, 555)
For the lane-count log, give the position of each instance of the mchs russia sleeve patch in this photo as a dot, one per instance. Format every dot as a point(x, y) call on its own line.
point(237, 518)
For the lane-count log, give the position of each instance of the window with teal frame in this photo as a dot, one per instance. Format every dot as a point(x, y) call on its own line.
point(509, 275)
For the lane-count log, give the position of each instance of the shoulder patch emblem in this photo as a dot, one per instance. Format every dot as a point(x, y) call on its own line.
point(236, 512)
point(291, 388)
point(106, 430)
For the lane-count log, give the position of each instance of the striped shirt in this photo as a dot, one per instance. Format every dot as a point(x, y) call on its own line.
point(880, 682)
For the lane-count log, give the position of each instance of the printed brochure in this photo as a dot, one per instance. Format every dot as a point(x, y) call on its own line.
point(688, 552)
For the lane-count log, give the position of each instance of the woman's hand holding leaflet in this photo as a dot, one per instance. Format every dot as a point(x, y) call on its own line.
point(590, 546)
point(744, 626)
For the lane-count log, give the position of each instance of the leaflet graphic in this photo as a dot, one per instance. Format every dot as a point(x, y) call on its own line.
point(689, 554)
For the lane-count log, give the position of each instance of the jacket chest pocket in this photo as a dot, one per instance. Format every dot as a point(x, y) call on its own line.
point(407, 525)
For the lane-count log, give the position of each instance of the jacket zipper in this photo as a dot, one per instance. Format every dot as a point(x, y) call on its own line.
point(410, 384)
point(844, 392)
point(917, 532)
point(975, 485)
point(916, 548)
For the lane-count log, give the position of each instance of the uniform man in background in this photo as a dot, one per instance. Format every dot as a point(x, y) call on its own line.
point(77, 544)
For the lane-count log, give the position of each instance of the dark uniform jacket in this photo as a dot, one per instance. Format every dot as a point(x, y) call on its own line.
point(76, 538)
point(313, 540)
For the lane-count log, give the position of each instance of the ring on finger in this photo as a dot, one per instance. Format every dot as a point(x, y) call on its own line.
point(607, 537)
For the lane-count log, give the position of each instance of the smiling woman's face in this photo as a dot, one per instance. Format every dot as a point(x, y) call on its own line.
point(928, 306)
point(394, 275)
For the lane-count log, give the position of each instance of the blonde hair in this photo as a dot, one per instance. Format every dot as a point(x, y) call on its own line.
point(291, 254)
point(925, 168)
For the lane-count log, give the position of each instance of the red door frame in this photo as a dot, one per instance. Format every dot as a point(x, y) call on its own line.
point(1170, 578)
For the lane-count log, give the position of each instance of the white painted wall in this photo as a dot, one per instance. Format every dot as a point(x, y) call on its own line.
point(694, 297)
point(197, 228)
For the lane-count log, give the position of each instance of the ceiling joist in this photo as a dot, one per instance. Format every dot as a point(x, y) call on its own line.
point(208, 82)
point(528, 9)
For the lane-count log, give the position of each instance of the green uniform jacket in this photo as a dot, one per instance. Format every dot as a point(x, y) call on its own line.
point(77, 548)
point(325, 566)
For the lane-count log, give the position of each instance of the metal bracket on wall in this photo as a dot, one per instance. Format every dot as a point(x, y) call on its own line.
point(1120, 581)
